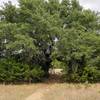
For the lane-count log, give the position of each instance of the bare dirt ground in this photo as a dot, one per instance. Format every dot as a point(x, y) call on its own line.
point(50, 91)
point(39, 94)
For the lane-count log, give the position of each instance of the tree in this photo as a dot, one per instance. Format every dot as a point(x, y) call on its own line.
point(41, 33)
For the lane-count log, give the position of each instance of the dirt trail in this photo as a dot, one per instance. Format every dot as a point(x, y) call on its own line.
point(66, 92)
point(39, 94)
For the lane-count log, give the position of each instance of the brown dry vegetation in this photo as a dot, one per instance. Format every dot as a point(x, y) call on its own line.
point(53, 91)
point(17, 92)
point(73, 92)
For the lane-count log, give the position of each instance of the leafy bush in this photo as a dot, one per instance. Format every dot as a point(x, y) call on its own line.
point(58, 64)
point(91, 74)
point(11, 71)
point(88, 74)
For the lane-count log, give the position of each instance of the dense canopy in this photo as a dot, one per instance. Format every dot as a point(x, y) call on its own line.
point(40, 34)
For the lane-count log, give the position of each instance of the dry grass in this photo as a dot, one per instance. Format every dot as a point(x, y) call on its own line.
point(51, 91)
point(17, 92)
point(73, 92)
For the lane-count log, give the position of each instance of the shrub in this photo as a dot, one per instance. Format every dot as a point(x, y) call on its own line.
point(12, 71)
point(91, 74)
point(88, 74)
point(58, 64)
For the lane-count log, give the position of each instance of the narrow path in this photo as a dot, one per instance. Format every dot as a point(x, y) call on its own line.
point(39, 94)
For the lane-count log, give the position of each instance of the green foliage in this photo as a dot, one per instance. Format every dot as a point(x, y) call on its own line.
point(42, 34)
point(9, 13)
point(90, 74)
point(11, 71)
point(58, 64)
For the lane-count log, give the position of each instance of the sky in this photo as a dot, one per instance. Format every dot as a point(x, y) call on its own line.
point(87, 4)
point(13, 1)
point(91, 4)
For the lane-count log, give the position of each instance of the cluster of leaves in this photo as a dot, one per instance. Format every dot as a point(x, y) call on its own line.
point(49, 33)
point(11, 71)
